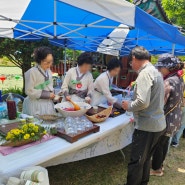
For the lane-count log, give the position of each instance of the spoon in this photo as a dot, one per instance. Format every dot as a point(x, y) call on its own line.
point(76, 107)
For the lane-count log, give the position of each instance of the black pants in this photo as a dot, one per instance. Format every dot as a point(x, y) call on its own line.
point(160, 153)
point(143, 147)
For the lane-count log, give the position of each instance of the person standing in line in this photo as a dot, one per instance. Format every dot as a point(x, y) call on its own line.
point(169, 66)
point(147, 106)
point(181, 132)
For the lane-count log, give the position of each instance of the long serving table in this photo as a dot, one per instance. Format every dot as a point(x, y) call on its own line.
point(115, 134)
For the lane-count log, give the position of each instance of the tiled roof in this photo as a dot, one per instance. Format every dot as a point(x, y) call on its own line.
point(157, 12)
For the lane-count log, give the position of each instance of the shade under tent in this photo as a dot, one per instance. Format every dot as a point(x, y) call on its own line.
point(106, 26)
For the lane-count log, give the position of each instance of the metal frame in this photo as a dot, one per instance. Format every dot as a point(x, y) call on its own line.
point(68, 41)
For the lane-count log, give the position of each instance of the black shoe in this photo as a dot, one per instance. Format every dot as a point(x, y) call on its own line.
point(183, 135)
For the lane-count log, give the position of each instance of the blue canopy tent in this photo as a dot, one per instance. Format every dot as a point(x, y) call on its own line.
point(106, 26)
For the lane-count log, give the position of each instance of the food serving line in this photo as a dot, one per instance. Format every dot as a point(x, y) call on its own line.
point(115, 134)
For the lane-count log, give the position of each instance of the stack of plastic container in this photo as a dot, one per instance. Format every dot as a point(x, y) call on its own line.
point(3, 107)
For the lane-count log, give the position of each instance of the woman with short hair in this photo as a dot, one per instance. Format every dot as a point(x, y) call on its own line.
point(39, 84)
point(103, 84)
point(78, 82)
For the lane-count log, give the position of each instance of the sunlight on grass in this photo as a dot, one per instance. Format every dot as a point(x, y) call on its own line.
point(181, 170)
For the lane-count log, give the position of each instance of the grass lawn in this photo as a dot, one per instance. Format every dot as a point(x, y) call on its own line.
point(10, 73)
point(111, 169)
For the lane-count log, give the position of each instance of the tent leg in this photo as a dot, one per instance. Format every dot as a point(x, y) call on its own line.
point(173, 49)
point(74, 56)
point(65, 68)
point(55, 18)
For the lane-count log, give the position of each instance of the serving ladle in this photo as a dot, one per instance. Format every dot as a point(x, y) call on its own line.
point(76, 107)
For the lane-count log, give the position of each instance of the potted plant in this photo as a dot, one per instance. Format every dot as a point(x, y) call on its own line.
point(24, 134)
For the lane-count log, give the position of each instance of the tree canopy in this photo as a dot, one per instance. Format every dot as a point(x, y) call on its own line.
point(20, 52)
point(175, 10)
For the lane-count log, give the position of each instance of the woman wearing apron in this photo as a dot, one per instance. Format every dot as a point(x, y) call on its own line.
point(78, 82)
point(103, 84)
point(39, 84)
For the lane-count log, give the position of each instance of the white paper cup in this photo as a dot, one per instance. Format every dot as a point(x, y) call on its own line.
point(23, 121)
point(87, 99)
point(33, 175)
point(31, 183)
point(56, 98)
point(30, 119)
point(13, 181)
point(95, 109)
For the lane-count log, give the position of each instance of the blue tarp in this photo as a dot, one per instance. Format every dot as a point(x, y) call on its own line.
point(86, 24)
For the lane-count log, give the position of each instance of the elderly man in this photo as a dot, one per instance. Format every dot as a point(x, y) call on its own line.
point(147, 106)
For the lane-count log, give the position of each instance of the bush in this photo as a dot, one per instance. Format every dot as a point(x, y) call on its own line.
point(15, 90)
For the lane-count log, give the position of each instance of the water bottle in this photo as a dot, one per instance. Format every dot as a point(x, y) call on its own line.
point(54, 82)
point(1, 99)
point(1, 111)
point(57, 82)
point(11, 106)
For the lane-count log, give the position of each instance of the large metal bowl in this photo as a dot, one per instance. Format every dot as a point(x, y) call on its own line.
point(61, 106)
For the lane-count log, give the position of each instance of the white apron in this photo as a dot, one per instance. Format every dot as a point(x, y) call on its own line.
point(74, 98)
point(98, 98)
point(102, 93)
point(38, 106)
point(37, 80)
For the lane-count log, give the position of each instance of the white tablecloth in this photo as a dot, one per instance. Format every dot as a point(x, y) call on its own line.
point(115, 134)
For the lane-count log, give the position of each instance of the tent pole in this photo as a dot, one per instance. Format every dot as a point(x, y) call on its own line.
point(55, 18)
point(173, 49)
point(137, 36)
point(65, 61)
point(74, 56)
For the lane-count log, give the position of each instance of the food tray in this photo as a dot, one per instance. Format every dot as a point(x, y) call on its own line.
point(91, 112)
point(17, 143)
point(72, 139)
point(5, 128)
point(48, 117)
point(115, 112)
point(100, 116)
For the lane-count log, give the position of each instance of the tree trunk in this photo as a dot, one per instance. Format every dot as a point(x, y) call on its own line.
point(25, 67)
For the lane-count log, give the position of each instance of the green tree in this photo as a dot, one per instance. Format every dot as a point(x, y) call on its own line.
point(72, 54)
point(154, 59)
point(175, 10)
point(20, 52)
